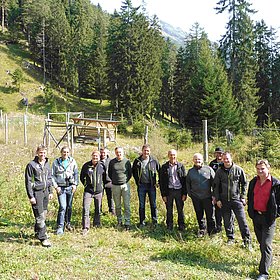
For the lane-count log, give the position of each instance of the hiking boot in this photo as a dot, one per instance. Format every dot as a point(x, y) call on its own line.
point(69, 228)
point(85, 231)
point(59, 231)
point(127, 227)
point(262, 277)
point(46, 243)
point(247, 244)
point(201, 233)
point(141, 225)
point(230, 241)
point(181, 228)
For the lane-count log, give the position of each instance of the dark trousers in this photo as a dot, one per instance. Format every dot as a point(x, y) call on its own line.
point(110, 201)
point(238, 209)
point(218, 217)
point(177, 196)
point(87, 199)
point(143, 190)
point(264, 234)
point(40, 212)
point(201, 206)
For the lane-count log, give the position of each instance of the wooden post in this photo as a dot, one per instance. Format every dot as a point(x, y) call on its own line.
point(205, 141)
point(25, 129)
point(72, 139)
point(6, 129)
point(104, 137)
point(97, 116)
point(1, 116)
point(99, 138)
point(146, 134)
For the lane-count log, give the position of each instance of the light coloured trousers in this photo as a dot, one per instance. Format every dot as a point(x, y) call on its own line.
point(122, 191)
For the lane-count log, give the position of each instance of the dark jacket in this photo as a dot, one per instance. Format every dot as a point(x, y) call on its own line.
point(164, 178)
point(215, 164)
point(87, 177)
point(230, 183)
point(37, 177)
point(106, 162)
point(153, 167)
point(273, 204)
point(199, 182)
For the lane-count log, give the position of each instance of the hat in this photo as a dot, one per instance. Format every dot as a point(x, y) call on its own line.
point(219, 150)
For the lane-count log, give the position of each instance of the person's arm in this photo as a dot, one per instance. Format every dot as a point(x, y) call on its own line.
point(129, 170)
point(243, 185)
point(135, 171)
point(83, 175)
point(29, 182)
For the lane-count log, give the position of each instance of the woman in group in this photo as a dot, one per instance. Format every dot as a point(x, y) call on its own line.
point(65, 180)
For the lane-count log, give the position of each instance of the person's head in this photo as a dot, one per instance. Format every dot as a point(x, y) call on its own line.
point(198, 159)
point(41, 152)
point(218, 154)
point(146, 150)
point(103, 153)
point(119, 153)
point(263, 168)
point(95, 157)
point(172, 155)
point(227, 160)
point(65, 151)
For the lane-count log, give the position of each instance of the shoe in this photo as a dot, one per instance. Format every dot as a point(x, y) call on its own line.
point(169, 227)
point(127, 227)
point(181, 228)
point(201, 233)
point(69, 228)
point(85, 231)
point(141, 225)
point(262, 277)
point(46, 243)
point(97, 226)
point(218, 229)
point(247, 244)
point(119, 225)
point(59, 231)
point(230, 241)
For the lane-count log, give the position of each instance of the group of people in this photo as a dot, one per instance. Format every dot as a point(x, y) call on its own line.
point(217, 190)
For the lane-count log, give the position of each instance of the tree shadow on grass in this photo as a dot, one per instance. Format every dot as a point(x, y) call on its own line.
point(197, 257)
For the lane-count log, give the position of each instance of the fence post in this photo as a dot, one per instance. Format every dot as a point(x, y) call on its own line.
point(1, 116)
point(146, 134)
point(25, 129)
point(6, 129)
point(205, 141)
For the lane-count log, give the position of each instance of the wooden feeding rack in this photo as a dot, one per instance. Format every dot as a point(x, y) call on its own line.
point(97, 130)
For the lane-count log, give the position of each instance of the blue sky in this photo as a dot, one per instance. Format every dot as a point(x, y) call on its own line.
point(184, 13)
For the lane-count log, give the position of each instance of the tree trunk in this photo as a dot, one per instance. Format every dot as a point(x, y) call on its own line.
point(3, 17)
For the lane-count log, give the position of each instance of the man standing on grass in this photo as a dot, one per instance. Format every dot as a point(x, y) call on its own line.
point(38, 183)
point(104, 157)
point(173, 187)
point(263, 209)
point(93, 177)
point(120, 173)
point(216, 164)
point(199, 186)
point(230, 189)
point(145, 172)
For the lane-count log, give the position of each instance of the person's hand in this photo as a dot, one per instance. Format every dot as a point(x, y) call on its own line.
point(219, 204)
point(32, 200)
point(164, 198)
point(58, 190)
point(74, 187)
point(214, 201)
point(243, 200)
point(50, 196)
point(184, 197)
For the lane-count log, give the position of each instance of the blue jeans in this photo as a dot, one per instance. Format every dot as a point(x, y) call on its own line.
point(144, 189)
point(65, 199)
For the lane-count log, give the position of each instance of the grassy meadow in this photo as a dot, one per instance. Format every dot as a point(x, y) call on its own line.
point(108, 252)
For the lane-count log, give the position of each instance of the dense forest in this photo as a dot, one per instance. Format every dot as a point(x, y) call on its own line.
point(124, 58)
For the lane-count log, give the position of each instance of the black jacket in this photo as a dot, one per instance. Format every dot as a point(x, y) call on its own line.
point(153, 167)
point(87, 177)
point(273, 204)
point(37, 177)
point(164, 178)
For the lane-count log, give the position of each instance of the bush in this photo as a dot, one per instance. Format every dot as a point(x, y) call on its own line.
point(181, 138)
point(138, 128)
